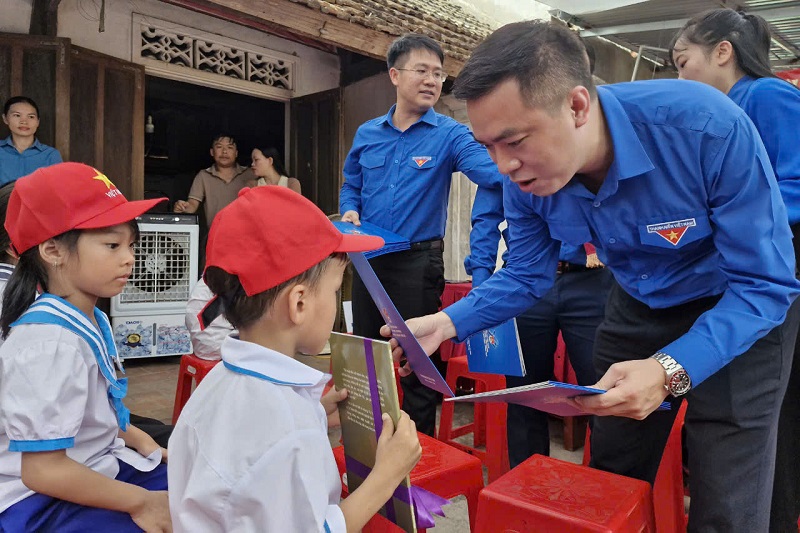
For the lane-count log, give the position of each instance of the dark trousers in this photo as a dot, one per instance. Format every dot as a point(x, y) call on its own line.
point(786, 490)
point(155, 428)
point(575, 306)
point(731, 422)
point(414, 280)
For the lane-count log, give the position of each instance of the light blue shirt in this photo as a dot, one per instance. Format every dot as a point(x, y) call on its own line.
point(14, 165)
point(400, 180)
point(774, 107)
point(689, 208)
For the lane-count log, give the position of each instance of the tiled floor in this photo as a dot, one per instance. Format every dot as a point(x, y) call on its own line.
point(151, 393)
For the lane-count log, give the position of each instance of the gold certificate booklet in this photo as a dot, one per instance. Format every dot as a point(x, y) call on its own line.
point(365, 368)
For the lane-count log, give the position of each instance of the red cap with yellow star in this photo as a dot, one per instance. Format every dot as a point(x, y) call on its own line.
point(55, 199)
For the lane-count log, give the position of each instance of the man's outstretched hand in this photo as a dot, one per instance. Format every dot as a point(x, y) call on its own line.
point(430, 331)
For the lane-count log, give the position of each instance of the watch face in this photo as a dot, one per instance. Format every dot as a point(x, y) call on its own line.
point(679, 383)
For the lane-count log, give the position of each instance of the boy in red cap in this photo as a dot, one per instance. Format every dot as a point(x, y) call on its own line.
point(69, 459)
point(250, 451)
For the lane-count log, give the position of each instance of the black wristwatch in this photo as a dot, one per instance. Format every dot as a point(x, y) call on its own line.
point(678, 381)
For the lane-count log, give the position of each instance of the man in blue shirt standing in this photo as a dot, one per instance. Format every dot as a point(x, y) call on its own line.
point(397, 176)
point(671, 182)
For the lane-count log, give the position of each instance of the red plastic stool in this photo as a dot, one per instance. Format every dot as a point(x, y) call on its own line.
point(192, 369)
point(489, 422)
point(545, 494)
point(442, 470)
point(669, 508)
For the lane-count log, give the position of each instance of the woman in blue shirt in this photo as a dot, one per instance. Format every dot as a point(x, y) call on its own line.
point(729, 50)
point(21, 152)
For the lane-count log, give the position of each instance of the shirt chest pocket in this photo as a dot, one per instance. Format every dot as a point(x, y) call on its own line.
point(422, 163)
point(676, 232)
point(573, 234)
point(373, 170)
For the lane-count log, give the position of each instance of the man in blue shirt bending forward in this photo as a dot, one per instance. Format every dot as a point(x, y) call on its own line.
point(672, 184)
point(397, 176)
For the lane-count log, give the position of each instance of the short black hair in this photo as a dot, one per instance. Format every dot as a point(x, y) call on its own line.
point(17, 100)
point(242, 310)
point(223, 135)
point(403, 46)
point(545, 58)
point(748, 34)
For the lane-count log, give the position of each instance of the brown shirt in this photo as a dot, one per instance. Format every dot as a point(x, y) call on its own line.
point(214, 193)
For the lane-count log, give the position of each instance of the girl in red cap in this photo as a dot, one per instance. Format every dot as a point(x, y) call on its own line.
point(69, 458)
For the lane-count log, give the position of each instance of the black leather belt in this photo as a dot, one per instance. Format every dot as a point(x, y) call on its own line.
point(565, 267)
point(435, 244)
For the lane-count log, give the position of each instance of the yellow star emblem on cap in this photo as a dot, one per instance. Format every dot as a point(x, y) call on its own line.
point(102, 177)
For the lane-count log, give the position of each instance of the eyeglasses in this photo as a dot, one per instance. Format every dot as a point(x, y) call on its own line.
point(438, 75)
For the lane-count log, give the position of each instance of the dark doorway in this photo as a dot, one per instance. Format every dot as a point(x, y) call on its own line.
point(186, 117)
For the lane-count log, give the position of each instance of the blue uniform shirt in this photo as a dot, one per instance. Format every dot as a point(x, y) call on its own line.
point(774, 107)
point(689, 208)
point(400, 180)
point(487, 214)
point(14, 165)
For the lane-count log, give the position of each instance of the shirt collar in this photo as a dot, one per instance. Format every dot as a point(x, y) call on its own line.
point(213, 170)
point(739, 89)
point(8, 142)
point(263, 363)
point(630, 157)
point(429, 117)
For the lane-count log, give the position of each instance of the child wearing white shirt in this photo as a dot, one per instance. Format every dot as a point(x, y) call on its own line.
point(250, 451)
point(69, 459)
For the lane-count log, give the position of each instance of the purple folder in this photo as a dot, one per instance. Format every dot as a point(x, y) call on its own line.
point(548, 396)
point(420, 362)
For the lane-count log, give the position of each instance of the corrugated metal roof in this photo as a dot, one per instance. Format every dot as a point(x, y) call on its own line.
point(652, 23)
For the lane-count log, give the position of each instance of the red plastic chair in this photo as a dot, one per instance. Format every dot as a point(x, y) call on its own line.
point(546, 494)
point(574, 426)
point(442, 470)
point(453, 292)
point(193, 369)
point(489, 423)
point(670, 511)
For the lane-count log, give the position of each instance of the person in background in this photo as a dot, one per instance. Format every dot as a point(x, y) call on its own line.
point(250, 451)
point(21, 152)
point(217, 186)
point(397, 176)
point(268, 168)
point(729, 50)
point(70, 460)
point(206, 339)
point(573, 307)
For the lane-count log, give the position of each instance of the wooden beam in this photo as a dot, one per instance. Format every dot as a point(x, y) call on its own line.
point(307, 22)
point(44, 18)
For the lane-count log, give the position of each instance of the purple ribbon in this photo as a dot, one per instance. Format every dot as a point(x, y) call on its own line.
point(425, 503)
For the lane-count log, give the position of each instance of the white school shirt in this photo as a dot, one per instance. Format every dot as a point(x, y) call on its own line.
point(53, 397)
point(206, 343)
point(250, 451)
